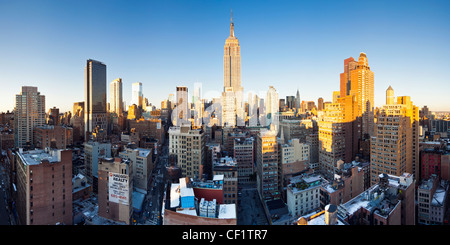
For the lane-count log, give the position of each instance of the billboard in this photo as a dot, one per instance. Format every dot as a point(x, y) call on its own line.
point(118, 188)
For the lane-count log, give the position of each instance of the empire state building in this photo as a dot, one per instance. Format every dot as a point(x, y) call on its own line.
point(232, 96)
point(232, 61)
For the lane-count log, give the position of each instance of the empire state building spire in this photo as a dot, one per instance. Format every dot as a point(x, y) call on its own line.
point(232, 25)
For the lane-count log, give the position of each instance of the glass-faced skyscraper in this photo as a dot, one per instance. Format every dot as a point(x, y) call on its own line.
point(95, 96)
point(136, 94)
point(116, 97)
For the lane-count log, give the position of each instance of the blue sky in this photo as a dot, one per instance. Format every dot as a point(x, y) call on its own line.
point(164, 44)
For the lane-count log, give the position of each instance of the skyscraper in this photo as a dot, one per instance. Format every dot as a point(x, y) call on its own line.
point(362, 85)
point(232, 61)
point(349, 65)
point(28, 114)
point(395, 144)
point(267, 165)
point(390, 96)
point(298, 102)
point(95, 96)
point(136, 94)
point(115, 96)
point(181, 114)
point(233, 92)
point(272, 107)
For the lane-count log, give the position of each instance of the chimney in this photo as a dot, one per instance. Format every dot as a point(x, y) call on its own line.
point(331, 214)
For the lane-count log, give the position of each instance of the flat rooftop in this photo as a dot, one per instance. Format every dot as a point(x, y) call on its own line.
point(34, 157)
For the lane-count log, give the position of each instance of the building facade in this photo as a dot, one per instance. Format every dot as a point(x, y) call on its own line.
point(28, 114)
point(95, 97)
point(267, 165)
point(44, 187)
point(187, 145)
point(115, 189)
point(116, 97)
point(395, 144)
point(59, 137)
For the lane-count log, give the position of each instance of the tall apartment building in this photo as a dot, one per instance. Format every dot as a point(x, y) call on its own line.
point(395, 144)
point(142, 164)
point(58, 137)
point(95, 96)
point(362, 86)
point(44, 187)
point(116, 97)
point(188, 146)
point(432, 201)
point(28, 114)
point(338, 134)
point(115, 189)
point(267, 165)
point(245, 158)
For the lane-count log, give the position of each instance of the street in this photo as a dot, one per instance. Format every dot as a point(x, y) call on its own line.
point(4, 213)
point(151, 207)
point(250, 210)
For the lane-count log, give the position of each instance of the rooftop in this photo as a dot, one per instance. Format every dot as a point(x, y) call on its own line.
point(304, 182)
point(225, 161)
point(440, 194)
point(34, 157)
point(381, 198)
point(184, 189)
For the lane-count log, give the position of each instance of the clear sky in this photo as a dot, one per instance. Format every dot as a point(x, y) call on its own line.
point(164, 44)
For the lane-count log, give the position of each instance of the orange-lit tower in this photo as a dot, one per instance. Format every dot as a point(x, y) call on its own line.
point(362, 86)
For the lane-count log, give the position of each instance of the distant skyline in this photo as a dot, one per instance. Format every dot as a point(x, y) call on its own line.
point(163, 44)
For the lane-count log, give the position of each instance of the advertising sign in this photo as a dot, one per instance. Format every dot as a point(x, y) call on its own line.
point(118, 188)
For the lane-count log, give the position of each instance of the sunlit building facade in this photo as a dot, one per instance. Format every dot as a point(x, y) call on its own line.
point(395, 144)
point(28, 114)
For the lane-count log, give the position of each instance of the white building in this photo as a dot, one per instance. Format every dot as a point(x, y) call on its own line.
point(136, 94)
point(303, 194)
point(115, 96)
point(272, 107)
point(181, 114)
point(228, 102)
